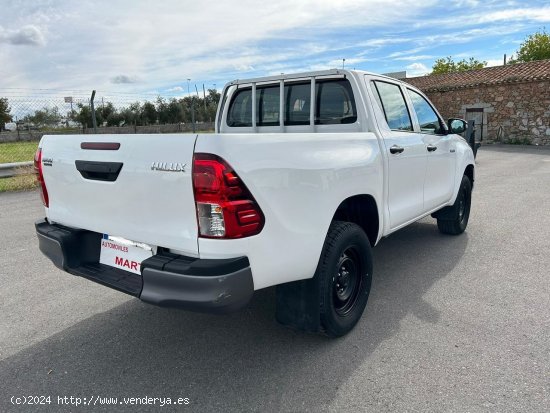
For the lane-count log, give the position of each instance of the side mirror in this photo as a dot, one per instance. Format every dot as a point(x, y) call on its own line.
point(457, 126)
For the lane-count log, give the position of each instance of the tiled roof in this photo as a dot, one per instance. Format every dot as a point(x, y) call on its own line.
point(519, 72)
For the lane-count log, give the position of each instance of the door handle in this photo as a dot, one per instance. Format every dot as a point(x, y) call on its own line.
point(431, 148)
point(396, 149)
point(99, 171)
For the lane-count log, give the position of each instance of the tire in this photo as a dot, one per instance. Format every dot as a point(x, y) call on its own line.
point(454, 220)
point(344, 278)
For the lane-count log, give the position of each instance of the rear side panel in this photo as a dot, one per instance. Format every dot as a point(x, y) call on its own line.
point(298, 180)
point(143, 204)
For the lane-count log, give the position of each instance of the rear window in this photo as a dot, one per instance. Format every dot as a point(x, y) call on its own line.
point(297, 103)
point(240, 111)
point(334, 104)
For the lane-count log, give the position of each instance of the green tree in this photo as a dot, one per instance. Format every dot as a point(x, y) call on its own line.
point(5, 110)
point(148, 113)
point(108, 114)
point(169, 111)
point(448, 65)
point(212, 100)
point(83, 115)
point(131, 114)
point(174, 111)
point(535, 47)
point(44, 117)
point(162, 110)
point(186, 104)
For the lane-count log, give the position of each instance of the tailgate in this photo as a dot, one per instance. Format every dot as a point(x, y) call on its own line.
point(145, 204)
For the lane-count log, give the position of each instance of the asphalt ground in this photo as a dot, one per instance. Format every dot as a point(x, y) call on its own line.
point(457, 324)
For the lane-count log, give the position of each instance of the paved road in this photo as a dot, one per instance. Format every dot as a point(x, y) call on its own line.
point(453, 323)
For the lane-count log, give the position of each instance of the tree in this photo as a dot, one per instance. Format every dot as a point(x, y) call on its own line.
point(535, 47)
point(148, 113)
point(131, 114)
point(448, 65)
point(83, 115)
point(44, 117)
point(174, 111)
point(212, 100)
point(107, 113)
point(5, 110)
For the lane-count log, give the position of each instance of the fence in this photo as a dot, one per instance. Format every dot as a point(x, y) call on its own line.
point(26, 117)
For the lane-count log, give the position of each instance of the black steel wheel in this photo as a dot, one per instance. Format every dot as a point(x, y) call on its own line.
point(347, 282)
point(344, 277)
point(454, 219)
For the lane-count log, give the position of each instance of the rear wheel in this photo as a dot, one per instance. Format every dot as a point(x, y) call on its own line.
point(344, 278)
point(454, 219)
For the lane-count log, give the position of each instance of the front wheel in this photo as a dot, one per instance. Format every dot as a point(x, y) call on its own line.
point(344, 277)
point(455, 218)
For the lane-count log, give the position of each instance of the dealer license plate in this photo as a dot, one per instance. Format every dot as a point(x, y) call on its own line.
point(124, 254)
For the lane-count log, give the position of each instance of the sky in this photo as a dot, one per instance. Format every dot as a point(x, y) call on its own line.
point(153, 47)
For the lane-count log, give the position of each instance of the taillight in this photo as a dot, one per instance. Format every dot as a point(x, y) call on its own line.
point(225, 206)
point(40, 177)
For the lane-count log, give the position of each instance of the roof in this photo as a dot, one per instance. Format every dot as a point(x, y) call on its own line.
point(306, 75)
point(282, 76)
point(513, 73)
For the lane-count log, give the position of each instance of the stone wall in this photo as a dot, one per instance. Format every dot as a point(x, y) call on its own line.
point(512, 112)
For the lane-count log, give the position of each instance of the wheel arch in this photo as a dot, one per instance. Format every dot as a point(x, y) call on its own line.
point(362, 210)
point(470, 173)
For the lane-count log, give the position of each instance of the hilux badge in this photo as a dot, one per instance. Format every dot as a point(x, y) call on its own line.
point(168, 166)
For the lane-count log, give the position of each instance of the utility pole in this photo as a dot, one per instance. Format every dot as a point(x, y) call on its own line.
point(193, 112)
point(192, 107)
point(94, 122)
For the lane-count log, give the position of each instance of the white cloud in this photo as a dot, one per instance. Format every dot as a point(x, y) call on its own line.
point(26, 35)
point(465, 3)
point(538, 14)
point(122, 79)
point(417, 69)
point(208, 39)
point(415, 57)
point(147, 47)
point(409, 52)
point(495, 62)
point(175, 89)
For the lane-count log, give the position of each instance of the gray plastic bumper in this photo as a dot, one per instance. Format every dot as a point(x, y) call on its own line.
point(222, 293)
point(166, 279)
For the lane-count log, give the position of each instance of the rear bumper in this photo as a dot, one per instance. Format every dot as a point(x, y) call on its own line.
point(166, 279)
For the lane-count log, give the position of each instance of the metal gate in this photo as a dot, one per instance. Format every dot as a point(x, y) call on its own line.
point(476, 114)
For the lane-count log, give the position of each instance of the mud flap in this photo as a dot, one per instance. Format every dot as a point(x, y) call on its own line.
point(298, 305)
point(448, 213)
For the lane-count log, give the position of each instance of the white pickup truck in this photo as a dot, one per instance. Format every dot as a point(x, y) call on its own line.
point(303, 175)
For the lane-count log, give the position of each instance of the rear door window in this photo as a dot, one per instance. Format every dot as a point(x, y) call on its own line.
point(392, 102)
